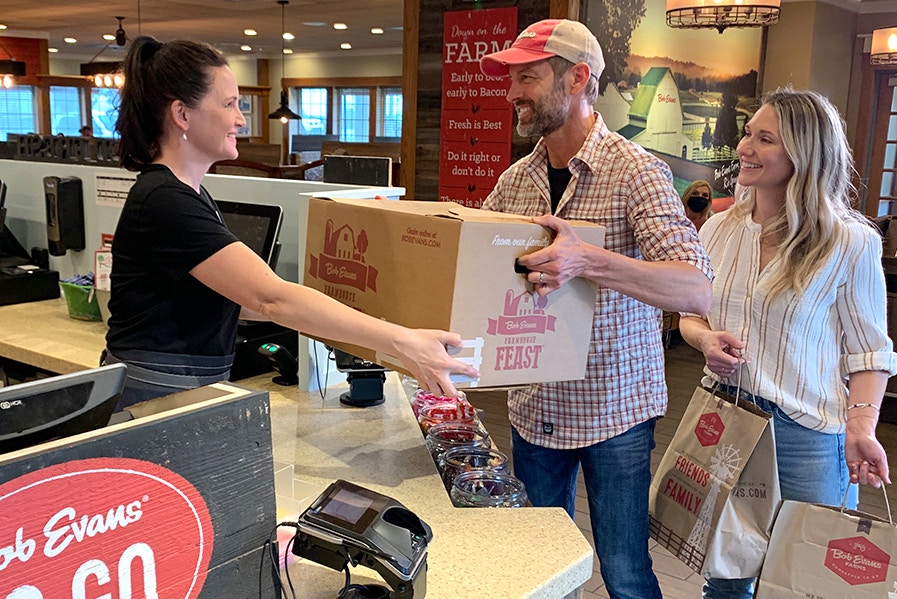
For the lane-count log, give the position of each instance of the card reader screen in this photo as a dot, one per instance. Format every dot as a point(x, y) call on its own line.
point(347, 506)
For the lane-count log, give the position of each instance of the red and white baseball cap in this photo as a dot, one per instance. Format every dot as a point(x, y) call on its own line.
point(570, 40)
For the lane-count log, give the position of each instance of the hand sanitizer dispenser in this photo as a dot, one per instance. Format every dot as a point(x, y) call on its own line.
point(65, 214)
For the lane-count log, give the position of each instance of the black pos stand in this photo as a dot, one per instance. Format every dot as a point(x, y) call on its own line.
point(365, 380)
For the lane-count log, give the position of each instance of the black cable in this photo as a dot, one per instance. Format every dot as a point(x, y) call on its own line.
point(269, 548)
point(322, 389)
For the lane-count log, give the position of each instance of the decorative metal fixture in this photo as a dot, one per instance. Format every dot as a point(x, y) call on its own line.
point(107, 74)
point(10, 69)
point(719, 14)
point(884, 46)
point(283, 111)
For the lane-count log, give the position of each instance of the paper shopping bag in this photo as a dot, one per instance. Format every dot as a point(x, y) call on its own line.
point(714, 495)
point(820, 551)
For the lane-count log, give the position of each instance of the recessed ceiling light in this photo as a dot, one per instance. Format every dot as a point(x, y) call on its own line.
point(246, 48)
point(52, 50)
point(287, 50)
point(376, 30)
point(314, 23)
point(70, 40)
point(288, 36)
point(340, 26)
point(2, 26)
point(109, 37)
point(346, 46)
point(250, 32)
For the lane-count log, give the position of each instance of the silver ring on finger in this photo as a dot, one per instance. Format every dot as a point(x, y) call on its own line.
point(541, 278)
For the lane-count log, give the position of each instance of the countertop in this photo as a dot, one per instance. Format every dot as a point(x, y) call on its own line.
point(475, 553)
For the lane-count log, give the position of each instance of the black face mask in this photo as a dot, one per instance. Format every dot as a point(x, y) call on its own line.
point(697, 203)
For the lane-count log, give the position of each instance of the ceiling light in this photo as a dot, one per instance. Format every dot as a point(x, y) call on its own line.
point(283, 112)
point(250, 32)
point(376, 31)
point(346, 46)
point(52, 50)
point(246, 48)
point(340, 26)
point(720, 14)
point(884, 46)
point(109, 37)
point(2, 26)
point(70, 40)
point(103, 74)
point(287, 50)
point(121, 38)
point(314, 23)
point(288, 36)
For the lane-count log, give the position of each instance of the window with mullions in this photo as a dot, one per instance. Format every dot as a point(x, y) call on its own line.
point(389, 123)
point(354, 118)
point(104, 110)
point(313, 102)
point(16, 110)
point(65, 110)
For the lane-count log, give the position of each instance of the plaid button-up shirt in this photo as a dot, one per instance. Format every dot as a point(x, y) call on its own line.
point(619, 185)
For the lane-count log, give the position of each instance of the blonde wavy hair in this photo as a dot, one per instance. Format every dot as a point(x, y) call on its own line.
point(818, 196)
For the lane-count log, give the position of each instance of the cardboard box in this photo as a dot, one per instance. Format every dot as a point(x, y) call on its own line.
point(441, 265)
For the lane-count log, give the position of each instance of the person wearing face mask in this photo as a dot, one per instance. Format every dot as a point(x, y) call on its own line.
point(799, 304)
point(651, 261)
point(697, 199)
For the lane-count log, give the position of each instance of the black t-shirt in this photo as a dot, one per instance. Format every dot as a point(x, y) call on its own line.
point(165, 230)
point(558, 179)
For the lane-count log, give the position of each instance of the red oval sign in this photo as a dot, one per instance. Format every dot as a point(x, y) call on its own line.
point(103, 528)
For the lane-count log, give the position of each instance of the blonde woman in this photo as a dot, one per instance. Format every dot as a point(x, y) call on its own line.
point(799, 304)
point(697, 199)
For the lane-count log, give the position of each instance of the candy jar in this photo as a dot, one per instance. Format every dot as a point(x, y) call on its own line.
point(467, 458)
point(442, 437)
point(423, 398)
point(410, 387)
point(454, 410)
point(482, 488)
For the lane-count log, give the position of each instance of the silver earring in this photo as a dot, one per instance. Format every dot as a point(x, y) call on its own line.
point(185, 136)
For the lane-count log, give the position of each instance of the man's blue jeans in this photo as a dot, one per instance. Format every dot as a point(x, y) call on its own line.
point(617, 475)
point(811, 469)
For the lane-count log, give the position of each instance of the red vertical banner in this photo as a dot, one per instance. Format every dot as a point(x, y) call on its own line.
point(475, 137)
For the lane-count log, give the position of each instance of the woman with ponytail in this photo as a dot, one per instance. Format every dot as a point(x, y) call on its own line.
point(180, 279)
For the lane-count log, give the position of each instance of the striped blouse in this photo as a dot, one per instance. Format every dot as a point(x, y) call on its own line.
point(801, 349)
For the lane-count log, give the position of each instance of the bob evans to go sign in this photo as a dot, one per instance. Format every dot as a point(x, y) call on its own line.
point(103, 528)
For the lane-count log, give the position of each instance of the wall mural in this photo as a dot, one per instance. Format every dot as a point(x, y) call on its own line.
point(683, 94)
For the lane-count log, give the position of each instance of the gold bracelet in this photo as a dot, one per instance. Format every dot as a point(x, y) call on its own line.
point(864, 405)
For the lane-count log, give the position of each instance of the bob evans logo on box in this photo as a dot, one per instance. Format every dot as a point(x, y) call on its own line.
point(341, 262)
point(103, 528)
point(857, 560)
point(709, 429)
point(523, 322)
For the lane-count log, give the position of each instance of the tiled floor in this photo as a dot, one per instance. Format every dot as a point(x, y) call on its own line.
point(683, 369)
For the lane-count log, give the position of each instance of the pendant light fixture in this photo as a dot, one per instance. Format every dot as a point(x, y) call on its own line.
point(884, 46)
point(720, 14)
point(283, 112)
point(10, 69)
point(107, 74)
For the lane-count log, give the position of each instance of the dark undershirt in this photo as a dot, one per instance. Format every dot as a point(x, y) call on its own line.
point(558, 178)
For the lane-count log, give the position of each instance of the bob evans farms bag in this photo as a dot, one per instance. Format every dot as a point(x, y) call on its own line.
point(824, 552)
point(715, 493)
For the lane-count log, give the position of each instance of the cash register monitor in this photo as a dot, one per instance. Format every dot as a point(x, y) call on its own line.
point(256, 225)
point(59, 406)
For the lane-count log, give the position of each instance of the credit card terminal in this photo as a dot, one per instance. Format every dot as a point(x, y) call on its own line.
point(348, 524)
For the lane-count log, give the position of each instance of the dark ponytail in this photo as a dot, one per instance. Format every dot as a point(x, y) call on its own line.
point(156, 75)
